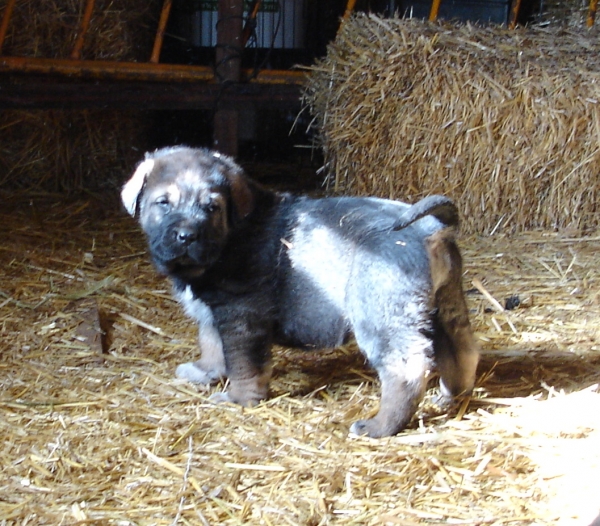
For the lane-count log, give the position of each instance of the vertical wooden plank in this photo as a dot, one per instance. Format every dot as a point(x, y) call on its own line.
point(160, 32)
point(591, 18)
point(435, 9)
point(228, 70)
point(5, 20)
point(85, 22)
point(349, 8)
point(514, 14)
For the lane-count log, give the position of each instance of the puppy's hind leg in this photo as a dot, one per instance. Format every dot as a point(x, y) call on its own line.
point(456, 350)
point(402, 372)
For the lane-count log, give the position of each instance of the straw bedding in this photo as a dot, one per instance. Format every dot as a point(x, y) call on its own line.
point(506, 122)
point(96, 430)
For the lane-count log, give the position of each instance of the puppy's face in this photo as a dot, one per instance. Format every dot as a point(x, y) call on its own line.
point(187, 201)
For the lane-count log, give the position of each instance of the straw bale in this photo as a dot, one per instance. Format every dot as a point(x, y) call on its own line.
point(108, 436)
point(69, 150)
point(571, 13)
point(118, 29)
point(505, 122)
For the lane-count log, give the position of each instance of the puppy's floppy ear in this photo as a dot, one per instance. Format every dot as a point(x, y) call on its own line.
point(242, 195)
point(133, 188)
point(240, 187)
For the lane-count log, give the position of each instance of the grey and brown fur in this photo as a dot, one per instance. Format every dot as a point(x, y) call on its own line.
point(255, 267)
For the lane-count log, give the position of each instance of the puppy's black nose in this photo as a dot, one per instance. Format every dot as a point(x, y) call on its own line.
point(186, 235)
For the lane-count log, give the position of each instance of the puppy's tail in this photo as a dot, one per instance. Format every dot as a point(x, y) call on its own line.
point(456, 349)
point(438, 206)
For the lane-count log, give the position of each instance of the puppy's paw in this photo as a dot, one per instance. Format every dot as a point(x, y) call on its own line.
point(446, 399)
point(192, 373)
point(228, 397)
point(371, 428)
point(360, 428)
point(445, 391)
point(232, 398)
point(443, 401)
point(220, 398)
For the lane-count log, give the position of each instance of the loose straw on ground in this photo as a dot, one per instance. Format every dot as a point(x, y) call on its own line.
point(106, 433)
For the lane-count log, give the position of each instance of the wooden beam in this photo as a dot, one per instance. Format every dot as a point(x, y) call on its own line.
point(57, 94)
point(102, 69)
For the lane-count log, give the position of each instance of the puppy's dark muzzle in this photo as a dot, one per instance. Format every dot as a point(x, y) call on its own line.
point(185, 235)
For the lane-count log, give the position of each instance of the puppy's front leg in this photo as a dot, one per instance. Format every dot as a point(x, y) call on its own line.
point(247, 390)
point(247, 349)
point(210, 367)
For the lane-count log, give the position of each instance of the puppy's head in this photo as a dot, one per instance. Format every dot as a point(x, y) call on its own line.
point(187, 201)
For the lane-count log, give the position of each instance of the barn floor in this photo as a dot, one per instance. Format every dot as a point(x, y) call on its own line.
point(97, 430)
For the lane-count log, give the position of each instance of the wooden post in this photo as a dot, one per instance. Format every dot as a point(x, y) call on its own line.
point(85, 22)
point(228, 70)
point(5, 19)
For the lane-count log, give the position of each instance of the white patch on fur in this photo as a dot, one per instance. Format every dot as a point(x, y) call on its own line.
point(210, 339)
point(321, 263)
point(410, 363)
point(188, 179)
point(132, 188)
point(174, 193)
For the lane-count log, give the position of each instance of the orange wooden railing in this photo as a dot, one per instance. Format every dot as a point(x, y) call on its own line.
point(150, 71)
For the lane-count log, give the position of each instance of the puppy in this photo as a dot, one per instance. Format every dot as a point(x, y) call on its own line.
point(255, 267)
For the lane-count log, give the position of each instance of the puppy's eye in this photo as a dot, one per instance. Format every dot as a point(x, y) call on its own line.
point(163, 202)
point(213, 207)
